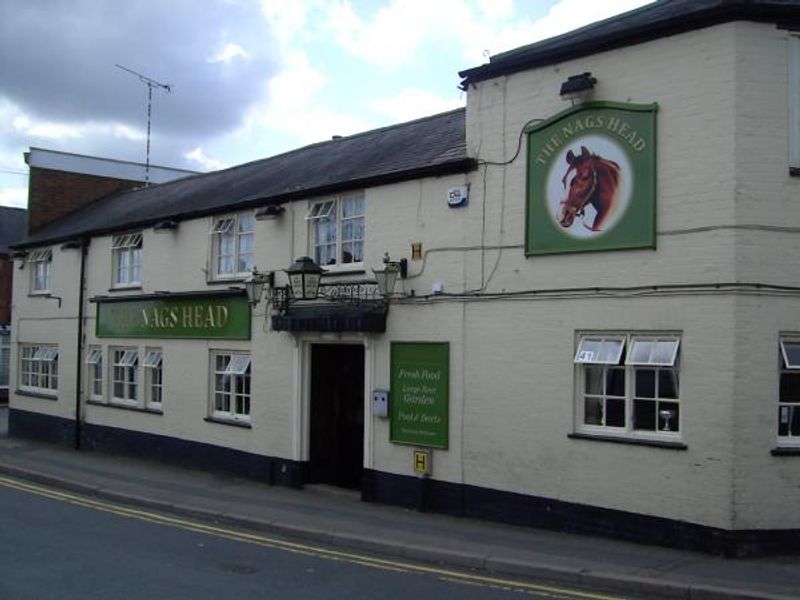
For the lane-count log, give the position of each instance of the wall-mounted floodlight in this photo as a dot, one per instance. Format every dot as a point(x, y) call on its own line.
point(578, 87)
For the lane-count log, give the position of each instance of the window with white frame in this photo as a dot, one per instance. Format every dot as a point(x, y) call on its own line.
point(5, 357)
point(789, 392)
point(125, 375)
point(231, 393)
point(38, 368)
point(94, 362)
point(794, 101)
point(40, 263)
point(337, 230)
point(628, 385)
point(127, 256)
point(232, 239)
point(154, 375)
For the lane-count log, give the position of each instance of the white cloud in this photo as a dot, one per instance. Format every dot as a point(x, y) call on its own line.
point(24, 125)
point(297, 104)
point(566, 15)
point(212, 164)
point(288, 20)
point(412, 103)
point(396, 32)
point(401, 31)
point(14, 196)
point(128, 133)
point(227, 53)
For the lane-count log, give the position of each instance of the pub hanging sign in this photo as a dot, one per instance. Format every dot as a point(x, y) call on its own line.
point(185, 316)
point(592, 179)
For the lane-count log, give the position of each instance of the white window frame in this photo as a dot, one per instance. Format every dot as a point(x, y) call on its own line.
point(5, 358)
point(153, 366)
point(124, 371)
point(94, 373)
point(662, 359)
point(38, 368)
point(794, 99)
point(330, 213)
point(230, 245)
point(40, 263)
point(126, 258)
point(788, 411)
point(230, 386)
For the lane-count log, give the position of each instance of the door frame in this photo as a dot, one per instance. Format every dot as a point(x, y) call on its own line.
point(301, 414)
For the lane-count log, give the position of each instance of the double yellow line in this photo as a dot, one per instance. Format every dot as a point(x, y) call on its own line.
point(306, 549)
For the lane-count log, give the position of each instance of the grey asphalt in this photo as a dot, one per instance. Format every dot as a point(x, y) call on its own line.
point(340, 519)
point(97, 555)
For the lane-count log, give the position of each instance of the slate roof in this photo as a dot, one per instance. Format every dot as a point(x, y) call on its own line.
point(434, 145)
point(13, 226)
point(653, 21)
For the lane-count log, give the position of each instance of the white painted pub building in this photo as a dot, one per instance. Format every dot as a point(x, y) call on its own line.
point(595, 324)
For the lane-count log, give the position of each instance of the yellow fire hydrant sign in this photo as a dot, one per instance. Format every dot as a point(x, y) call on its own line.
point(422, 461)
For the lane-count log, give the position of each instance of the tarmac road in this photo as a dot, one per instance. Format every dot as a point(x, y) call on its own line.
point(62, 545)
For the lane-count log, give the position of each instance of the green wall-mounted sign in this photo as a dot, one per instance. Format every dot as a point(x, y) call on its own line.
point(420, 383)
point(208, 317)
point(592, 179)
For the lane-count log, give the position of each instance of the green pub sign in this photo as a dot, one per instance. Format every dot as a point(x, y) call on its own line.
point(592, 179)
point(218, 317)
point(420, 379)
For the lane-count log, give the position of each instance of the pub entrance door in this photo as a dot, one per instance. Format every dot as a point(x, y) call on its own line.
point(336, 427)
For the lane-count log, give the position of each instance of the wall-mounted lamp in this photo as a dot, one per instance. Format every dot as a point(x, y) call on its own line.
point(386, 276)
point(577, 87)
point(21, 256)
point(72, 245)
point(167, 225)
point(273, 211)
point(304, 277)
point(254, 285)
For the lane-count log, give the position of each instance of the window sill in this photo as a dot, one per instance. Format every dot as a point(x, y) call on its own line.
point(152, 411)
point(39, 294)
point(227, 280)
point(125, 288)
point(43, 395)
point(220, 421)
point(631, 441)
point(785, 451)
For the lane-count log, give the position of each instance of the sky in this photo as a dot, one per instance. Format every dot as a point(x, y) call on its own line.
point(248, 79)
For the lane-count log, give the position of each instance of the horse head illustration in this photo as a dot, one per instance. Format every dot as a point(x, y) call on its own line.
point(595, 182)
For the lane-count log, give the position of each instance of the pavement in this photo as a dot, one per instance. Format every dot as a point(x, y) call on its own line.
point(331, 517)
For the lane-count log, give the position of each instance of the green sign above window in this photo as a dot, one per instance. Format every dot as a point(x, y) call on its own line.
point(185, 316)
point(420, 380)
point(591, 179)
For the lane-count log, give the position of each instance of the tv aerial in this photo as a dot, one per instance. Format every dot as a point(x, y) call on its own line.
point(151, 83)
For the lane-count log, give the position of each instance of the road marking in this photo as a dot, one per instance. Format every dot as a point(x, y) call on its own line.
point(304, 549)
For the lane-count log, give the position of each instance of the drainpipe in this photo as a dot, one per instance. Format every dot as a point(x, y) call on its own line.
point(79, 368)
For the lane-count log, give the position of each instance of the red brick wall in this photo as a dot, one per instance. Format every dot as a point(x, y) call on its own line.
point(6, 273)
point(53, 194)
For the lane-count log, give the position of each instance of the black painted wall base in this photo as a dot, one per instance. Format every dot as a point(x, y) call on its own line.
point(419, 493)
point(45, 428)
point(520, 509)
point(187, 453)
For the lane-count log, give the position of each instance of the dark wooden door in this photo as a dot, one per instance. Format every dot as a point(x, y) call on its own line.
point(337, 414)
